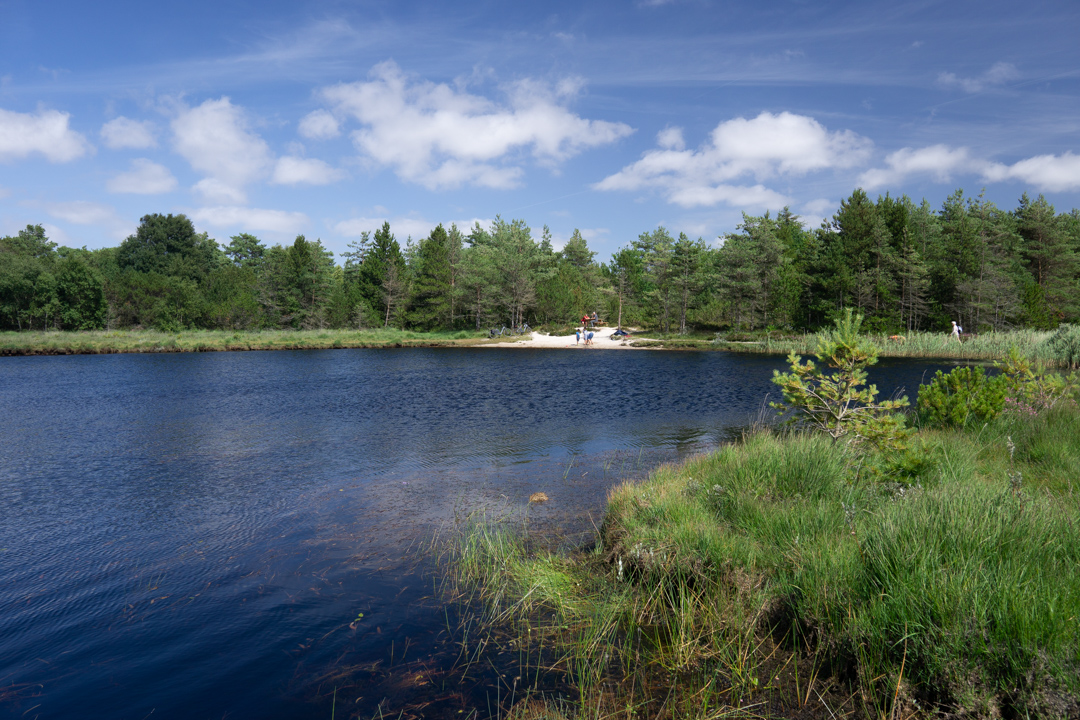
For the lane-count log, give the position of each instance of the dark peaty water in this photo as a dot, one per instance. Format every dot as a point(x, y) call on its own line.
point(193, 535)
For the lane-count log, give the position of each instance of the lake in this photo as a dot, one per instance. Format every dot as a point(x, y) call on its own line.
point(194, 535)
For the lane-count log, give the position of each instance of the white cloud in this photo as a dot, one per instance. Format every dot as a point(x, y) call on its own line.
point(212, 190)
point(144, 178)
point(671, 138)
point(82, 212)
point(816, 211)
point(295, 170)
point(248, 219)
point(403, 227)
point(123, 132)
point(47, 133)
point(1055, 173)
point(441, 137)
point(319, 125)
point(763, 147)
point(58, 235)
point(819, 206)
point(998, 74)
point(938, 161)
point(215, 138)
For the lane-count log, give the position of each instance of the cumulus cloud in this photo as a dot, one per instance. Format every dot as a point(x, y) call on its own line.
point(442, 137)
point(941, 162)
point(291, 170)
point(144, 178)
point(671, 138)
point(248, 218)
point(123, 132)
point(762, 148)
point(1054, 173)
point(319, 125)
point(998, 74)
point(216, 140)
point(46, 132)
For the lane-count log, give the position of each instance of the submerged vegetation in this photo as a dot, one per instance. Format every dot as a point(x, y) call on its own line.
point(917, 570)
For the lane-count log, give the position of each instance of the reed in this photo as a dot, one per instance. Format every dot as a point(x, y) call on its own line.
point(1032, 344)
point(149, 341)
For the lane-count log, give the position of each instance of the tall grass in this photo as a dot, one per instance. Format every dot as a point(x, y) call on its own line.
point(987, 346)
point(764, 578)
point(113, 341)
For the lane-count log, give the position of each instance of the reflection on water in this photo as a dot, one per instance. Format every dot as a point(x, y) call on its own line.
point(192, 535)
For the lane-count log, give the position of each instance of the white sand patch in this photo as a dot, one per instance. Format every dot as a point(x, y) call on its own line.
point(601, 339)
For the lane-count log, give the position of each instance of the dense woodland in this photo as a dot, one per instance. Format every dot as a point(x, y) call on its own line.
point(904, 266)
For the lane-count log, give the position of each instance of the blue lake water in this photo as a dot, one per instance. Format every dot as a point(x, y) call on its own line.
point(191, 535)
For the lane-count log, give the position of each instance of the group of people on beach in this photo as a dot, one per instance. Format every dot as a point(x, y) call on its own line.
point(587, 321)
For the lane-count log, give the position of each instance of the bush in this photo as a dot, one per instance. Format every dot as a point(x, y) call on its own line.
point(963, 396)
point(837, 403)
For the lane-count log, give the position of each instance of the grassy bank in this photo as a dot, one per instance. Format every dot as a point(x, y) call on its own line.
point(988, 346)
point(763, 580)
point(142, 341)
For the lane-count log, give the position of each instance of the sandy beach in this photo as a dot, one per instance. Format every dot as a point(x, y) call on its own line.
point(601, 339)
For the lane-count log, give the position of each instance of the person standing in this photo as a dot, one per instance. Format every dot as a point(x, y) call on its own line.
point(956, 331)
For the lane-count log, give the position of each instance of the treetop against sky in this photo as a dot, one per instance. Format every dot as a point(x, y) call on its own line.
point(328, 118)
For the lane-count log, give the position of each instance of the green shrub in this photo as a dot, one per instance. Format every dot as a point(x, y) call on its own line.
point(836, 403)
point(963, 396)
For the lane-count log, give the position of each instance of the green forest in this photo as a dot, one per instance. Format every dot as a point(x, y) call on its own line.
point(904, 266)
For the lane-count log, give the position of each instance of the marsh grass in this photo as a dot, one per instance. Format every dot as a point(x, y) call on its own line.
point(139, 341)
point(762, 580)
point(986, 347)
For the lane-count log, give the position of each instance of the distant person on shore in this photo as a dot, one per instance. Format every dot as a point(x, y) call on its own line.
point(956, 331)
point(594, 320)
point(577, 336)
point(588, 339)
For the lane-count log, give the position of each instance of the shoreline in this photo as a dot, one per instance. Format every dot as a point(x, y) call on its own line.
point(764, 560)
point(926, 346)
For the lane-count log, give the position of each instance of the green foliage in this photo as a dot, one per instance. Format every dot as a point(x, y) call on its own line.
point(951, 591)
point(904, 267)
point(80, 294)
point(837, 403)
point(163, 244)
point(963, 396)
point(245, 250)
point(1032, 393)
point(1064, 345)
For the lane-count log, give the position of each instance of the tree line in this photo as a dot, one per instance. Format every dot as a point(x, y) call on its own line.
point(903, 266)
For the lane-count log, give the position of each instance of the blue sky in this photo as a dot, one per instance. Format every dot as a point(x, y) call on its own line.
point(326, 118)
